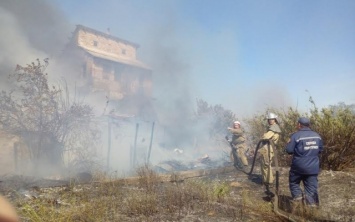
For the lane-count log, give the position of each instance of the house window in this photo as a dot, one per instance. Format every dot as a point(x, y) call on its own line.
point(95, 43)
point(123, 52)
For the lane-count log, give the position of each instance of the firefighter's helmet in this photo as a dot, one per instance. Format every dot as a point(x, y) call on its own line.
point(271, 116)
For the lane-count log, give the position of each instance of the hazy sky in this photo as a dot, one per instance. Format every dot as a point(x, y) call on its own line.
point(244, 55)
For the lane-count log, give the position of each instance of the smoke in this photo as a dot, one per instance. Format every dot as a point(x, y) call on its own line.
point(173, 101)
point(29, 30)
point(36, 29)
point(274, 96)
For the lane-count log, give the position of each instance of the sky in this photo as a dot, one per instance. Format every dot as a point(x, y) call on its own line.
point(244, 55)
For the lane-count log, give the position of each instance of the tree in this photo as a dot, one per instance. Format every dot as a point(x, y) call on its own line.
point(42, 115)
point(216, 116)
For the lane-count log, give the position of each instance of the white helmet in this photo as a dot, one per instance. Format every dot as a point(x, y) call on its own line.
point(236, 122)
point(271, 116)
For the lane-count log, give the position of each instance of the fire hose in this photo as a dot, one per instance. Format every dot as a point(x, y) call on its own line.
point(271, 145)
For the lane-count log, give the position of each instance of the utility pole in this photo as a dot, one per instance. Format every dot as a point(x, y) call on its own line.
point(109, 142)
point(135, 146)
point(151, 141)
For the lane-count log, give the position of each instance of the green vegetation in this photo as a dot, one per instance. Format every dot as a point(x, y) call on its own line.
point(335, 124)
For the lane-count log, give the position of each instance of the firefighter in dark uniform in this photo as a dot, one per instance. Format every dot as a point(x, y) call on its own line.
point(305, 145)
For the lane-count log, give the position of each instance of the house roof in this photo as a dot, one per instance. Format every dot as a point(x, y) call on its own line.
point(84, 28)
point(114, 58)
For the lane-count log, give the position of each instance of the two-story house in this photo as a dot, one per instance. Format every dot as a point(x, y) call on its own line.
point(109, 66)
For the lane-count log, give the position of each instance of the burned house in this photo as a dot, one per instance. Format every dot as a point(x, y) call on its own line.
point(109, 69)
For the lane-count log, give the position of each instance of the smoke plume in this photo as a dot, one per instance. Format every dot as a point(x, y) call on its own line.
point(30, 30)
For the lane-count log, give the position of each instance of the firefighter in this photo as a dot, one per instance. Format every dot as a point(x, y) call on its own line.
point(266, 151)
point(305, 145)
point(238, 142)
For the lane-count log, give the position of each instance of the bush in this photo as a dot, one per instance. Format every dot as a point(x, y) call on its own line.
point(44, 118)
point(335, 124)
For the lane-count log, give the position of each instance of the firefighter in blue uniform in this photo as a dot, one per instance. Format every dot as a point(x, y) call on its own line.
point(305, 145)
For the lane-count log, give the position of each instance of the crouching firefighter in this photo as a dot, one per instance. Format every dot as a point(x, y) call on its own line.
point(238, 146)
point(268, 140)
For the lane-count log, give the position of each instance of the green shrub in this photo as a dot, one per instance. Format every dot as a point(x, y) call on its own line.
point(335, 124)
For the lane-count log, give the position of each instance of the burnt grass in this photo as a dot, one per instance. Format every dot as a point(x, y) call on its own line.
point(229, 196)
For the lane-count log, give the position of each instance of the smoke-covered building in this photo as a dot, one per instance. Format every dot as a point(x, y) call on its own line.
point(109, 67)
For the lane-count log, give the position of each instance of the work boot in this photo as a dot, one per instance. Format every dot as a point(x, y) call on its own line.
point(299, 198)
point(312, 205)
point(268, 192)
point(296, 205)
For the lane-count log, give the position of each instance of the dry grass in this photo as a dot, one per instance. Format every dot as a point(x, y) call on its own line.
point(149, 200)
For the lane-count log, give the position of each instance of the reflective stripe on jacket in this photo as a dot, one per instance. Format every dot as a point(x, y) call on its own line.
point(305, 145)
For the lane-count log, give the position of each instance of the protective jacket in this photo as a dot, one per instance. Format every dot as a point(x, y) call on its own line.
point(273, 133)
point(238, 138)
point(305, 145)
